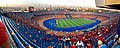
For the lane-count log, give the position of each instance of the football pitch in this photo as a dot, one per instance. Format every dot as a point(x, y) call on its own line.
point(67, 23)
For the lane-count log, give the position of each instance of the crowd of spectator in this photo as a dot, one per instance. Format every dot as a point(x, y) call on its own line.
point(98, 37)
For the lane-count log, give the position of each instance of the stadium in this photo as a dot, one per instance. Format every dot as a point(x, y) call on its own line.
point(61, 27)
point(58, 29)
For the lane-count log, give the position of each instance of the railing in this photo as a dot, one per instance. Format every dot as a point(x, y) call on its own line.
point(10, 37)
point(18, 43)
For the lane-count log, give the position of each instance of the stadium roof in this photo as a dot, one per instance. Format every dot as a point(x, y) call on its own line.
point(114, 4)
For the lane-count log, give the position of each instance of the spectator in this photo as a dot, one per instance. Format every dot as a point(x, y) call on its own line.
point(110, 43)
point(118, 40)
point(4, 41)
point(101, 43)
point(116, 36)
point(117, 45)
point(73, 45)
point(89, 44)
point(67, 39)
point(72, 40)
point(80, 44)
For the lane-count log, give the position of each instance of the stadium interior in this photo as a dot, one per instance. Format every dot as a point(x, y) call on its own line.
point(61, 28)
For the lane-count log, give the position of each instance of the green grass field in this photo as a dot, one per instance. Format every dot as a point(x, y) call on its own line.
point(66, 23)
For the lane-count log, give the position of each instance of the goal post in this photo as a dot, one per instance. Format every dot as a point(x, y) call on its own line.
point(68, 16)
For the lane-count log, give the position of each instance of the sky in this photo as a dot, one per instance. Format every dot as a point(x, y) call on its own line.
point(88, 3)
